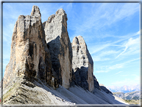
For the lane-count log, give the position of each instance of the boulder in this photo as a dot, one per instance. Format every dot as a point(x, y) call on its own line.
point(30, 57)
point(58, 42)
point(82, 64)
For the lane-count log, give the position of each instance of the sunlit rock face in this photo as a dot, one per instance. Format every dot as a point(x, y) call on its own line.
point(58, 42)
point(30, 57)
point(82, 64)
point(42, 59)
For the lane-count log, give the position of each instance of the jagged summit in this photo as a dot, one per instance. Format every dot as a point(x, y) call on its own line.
point(62, 16)
point(60, 11)
point(82, 64)
point(29, 53)
point(35, 11)
point(59, 45)
point(45, 68)
point(75, 41)
point(78, 40)
point(80, 48)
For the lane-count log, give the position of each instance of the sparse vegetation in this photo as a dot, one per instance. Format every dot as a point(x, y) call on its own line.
point(135, 102)
point(132, 98)
point(10, 92)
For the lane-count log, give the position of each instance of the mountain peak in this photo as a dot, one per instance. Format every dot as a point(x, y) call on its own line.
point(36, 11)
point(45, 68)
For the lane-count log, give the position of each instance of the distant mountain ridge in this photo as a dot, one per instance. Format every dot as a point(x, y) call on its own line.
point(128, 96)
point(125, 88)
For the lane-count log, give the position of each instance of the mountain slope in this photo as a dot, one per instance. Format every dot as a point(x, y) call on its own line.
point(37, 92)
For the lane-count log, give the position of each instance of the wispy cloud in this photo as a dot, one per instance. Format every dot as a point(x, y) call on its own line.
point(122, 82)
point(132, 44)
point(101, 71)
point(127, 81)
point(105, 69)
point(116, 66)
point(122, 38)
point(95, 49)
point(104, 16)
point(118, 72)
point(104, 55)
point(123, 51)
point(108, 68)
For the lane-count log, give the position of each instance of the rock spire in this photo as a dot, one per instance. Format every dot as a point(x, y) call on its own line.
point(59, 45)
point(82, 64)
point(30, 57)
point(43, 51)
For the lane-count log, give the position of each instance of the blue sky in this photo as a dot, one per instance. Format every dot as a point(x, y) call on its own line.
point(111, 32)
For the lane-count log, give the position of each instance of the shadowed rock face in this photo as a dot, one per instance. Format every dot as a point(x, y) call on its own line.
point(82, 64)
point(102, 87)
point(59, 45)
point(30, 57)
point(96, 83)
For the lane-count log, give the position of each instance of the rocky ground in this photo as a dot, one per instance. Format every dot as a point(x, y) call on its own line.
point(36, 92)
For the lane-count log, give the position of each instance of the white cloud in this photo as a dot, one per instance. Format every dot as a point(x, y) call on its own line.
point(118, 72)
point(95, 49)
point(102, 71)
point(137, 33)
point(103, 55)
point(122, 52)
point(104, 16)
point(108, 68)
point(123, 11)
point(129, 43)
point(133, 81)
point(98, 58)
point(121, 82)
point(132, 45)
point(116, 66)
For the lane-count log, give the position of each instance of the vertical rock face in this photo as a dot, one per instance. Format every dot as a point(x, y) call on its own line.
point(59, 45)
point(30, 57)
point(96, 83)
point(82, 64)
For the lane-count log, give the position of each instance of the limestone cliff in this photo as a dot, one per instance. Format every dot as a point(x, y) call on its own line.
point(30, 57)
point(59, 45)
point(43, 63)
point(82, 64)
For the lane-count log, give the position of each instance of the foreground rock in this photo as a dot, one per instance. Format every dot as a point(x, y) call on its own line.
point(30, 57)
point(60, 47)
point(82, 64)
point(37, 92)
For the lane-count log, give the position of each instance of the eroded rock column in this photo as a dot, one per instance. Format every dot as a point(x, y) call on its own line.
point(30, 56)
point(59, 45)
point(82, 64)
